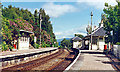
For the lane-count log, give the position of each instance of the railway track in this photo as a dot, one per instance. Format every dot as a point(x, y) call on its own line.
point(57, 61)
point(49, 65)
point(35, 63)
point(68, 60)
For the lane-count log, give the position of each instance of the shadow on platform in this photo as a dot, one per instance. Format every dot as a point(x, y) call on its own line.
point(92, 52)
point(101, 56)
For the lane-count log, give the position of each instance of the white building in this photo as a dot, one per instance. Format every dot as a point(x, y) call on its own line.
point(23, 41)
point(77, 42)
point(98, 39)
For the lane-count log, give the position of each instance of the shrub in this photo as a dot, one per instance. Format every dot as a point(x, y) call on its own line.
point(43, 44)
point(10, 47)
point(60, 46)
point(36, 45)
point(4, 46)
point(118, 43)
point(56, 45)
point(0, 47)
point(47, 45)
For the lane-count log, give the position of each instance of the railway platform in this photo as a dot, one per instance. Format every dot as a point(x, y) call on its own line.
point(23, 52)
point(92, 60)
point(10, 58)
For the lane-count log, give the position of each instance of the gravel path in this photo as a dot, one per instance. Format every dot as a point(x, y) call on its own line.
point(95, 60)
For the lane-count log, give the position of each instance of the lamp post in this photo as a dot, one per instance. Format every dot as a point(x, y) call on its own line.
point(40, 21)
point(91, 29)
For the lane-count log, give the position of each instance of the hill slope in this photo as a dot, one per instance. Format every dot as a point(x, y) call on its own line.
point(15, 19)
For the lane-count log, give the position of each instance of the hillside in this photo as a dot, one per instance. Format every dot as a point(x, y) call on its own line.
point(59, 40)
point(15, 19)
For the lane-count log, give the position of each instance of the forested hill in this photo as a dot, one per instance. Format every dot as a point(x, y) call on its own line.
point(15, 19)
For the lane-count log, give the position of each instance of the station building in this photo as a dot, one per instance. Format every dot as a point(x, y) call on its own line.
point(98, 39)
point(22, 43)
point(77, 42)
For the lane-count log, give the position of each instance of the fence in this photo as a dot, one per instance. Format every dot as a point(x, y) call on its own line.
point(116, 51)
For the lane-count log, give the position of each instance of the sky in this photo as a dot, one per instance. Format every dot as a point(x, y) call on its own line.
point(68, 17)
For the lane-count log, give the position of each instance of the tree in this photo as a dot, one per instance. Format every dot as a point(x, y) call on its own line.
point(36, 15)
point(79, 35)
point(0, 22)
point(89, 30)
point(66, 43)
point(15, 19)
point(111, 21)
point(63, 43)
point(10, 6)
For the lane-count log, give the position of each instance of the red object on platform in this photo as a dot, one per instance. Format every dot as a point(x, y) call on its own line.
point(105, 47)
point(14, 46)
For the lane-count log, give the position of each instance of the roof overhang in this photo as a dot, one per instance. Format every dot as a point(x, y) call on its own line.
point(76, 39)
point(89, 36)
point(26, 31)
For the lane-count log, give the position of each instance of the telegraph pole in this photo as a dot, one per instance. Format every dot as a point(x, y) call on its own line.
point(91, 29)
point(40, 21)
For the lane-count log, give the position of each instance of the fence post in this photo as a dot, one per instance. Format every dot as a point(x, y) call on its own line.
point(119, 52)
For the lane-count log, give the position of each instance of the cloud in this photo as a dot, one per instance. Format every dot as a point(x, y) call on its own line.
point(29, 9)
point(58, 33)
point(55, 10)
point(99, 4)
point(70, 33)
point(38, 0)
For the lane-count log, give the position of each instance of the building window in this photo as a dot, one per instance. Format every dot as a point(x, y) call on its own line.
point(100, 38)
point(94, 41)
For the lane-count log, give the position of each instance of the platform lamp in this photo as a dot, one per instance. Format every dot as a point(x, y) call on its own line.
point(91, 29)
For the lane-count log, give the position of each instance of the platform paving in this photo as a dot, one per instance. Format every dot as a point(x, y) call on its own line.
point(92, 60)
point(22, 52)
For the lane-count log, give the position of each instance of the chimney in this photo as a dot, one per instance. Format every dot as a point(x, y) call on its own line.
point(102, 21)
point(94, 27)
point(101, 25)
